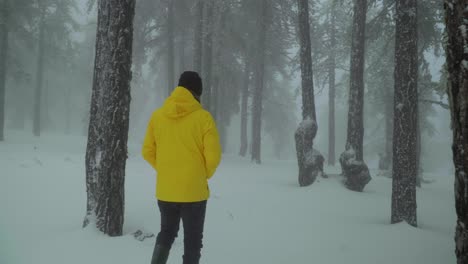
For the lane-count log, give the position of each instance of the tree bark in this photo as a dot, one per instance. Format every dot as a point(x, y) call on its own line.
point(3, 65)
point(106, 151)
point(356, 93)
point(170, 47)
point(208, 55)
point(307, 79)
point(198, 38)
point(457, 56)
point(354, 169)
point(405, 114)
point(331, 87)
point(257, 100)
point(39, 74)
point(181, 49)
point(385, 161)
point(310, 162)
point(244, 108)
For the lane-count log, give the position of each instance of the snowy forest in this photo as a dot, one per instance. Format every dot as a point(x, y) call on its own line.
point(343, 126)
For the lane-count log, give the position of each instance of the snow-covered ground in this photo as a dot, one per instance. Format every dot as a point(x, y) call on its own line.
point(257, 214)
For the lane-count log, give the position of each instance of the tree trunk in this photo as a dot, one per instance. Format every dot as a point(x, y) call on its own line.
point(385, 161)
point(68, 110)
point(198, 38)
point(170, 47)
point(106, 151)
point(405, 114)
point(3, 59)
point(418, 152)
point(307, 80)
point(352, 163)
point(208, 55)
point(331, 88)
point(244, 108)
point(310, 165)
point(181, 49)
point(257, 100)
point(39, 76)
point(457, 56)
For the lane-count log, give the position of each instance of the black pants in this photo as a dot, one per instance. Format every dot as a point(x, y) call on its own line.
point(193, 219)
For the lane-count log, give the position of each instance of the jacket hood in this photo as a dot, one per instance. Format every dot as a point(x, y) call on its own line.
point(180, 103)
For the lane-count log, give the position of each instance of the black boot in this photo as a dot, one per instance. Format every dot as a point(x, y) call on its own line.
point(191, 257)
point(160, 255)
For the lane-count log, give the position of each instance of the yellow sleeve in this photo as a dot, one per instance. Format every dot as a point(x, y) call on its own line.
point(212, 147)
point(149, 145)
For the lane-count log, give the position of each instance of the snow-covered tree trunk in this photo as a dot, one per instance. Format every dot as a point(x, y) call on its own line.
point(309, 165)
point(259, 71)
point(198, 37)
point(352, 163)
point(208, 54)
point(170, 47)
point(331, 87)
point(405, 114)
point(3, 60)
point(39, 73)
point(106, 151)
point(244, 108)
point(456, 19)
point(385, 161)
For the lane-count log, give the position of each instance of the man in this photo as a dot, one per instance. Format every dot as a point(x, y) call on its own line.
point(182, 145)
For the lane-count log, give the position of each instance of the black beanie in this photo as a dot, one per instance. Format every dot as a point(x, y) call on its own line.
point(192, 81)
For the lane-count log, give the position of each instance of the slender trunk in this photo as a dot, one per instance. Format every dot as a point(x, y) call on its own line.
point(20, 104)
point(181, 49)
point(405, 114)
point(170, 47)
point(68, 110)
point(257, 100)
point(106, 151)
point(309, 167)
point(3, 64)
point(355, 133)
point(386, 161)
point(208, 55)
point(307, 80)
point(331, 87)
point(244, 104)
point(457, 87)
point(219, 77)
point(198, 38)
point(355, 171)
point(39, 77)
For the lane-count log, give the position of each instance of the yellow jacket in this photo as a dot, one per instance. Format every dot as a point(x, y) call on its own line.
point(182, 145)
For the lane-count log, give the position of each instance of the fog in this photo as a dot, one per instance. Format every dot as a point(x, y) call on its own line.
point(50, 64)
point(69, 61)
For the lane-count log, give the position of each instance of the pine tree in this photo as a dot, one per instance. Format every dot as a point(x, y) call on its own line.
point(170, 47)
point(3, 61)
point(208, 53)
point(106, 151)
point(39, 70)
point(331, 86)
point(352, 163)
point(457, 67)
point(198, 37)
point(259, 71)
point(310, 162)
point(244, 108)
point(405, 114)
